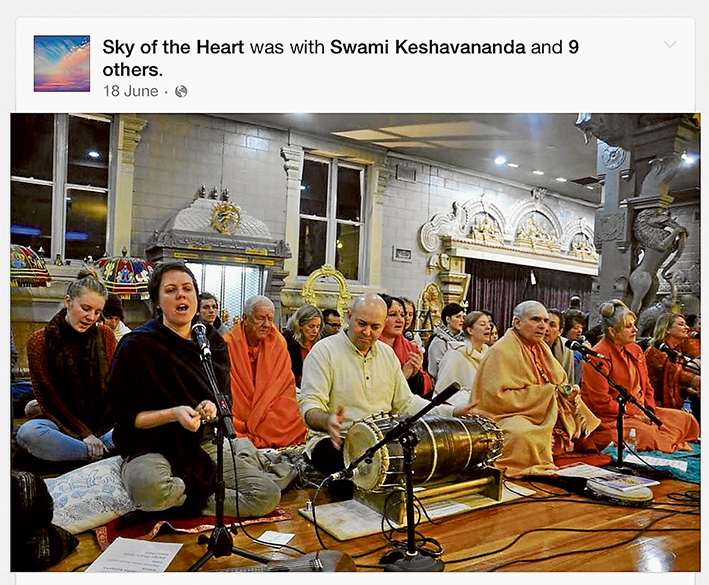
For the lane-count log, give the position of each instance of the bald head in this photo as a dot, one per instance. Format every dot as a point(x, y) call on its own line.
point(366, 320)
point(530, 320)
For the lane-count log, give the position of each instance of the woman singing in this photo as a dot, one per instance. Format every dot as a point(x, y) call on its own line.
point(161, 395)
point(460, 363)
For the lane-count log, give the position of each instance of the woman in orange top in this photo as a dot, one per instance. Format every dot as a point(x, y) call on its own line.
point(626, 366)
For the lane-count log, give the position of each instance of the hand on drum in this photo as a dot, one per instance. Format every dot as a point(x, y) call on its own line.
point(413, 363)
point(333, 426)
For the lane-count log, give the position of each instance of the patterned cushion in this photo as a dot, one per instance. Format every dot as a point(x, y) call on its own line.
point(89, 496)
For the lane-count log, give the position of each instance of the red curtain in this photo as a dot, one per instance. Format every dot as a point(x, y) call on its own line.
point(499, 287)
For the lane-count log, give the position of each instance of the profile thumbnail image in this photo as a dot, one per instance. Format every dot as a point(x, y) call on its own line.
point(61, 63)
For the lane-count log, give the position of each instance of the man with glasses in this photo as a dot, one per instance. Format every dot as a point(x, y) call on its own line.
point(264, 406)
point(331, 323)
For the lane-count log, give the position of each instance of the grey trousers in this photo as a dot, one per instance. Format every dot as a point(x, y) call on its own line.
point(152, 487)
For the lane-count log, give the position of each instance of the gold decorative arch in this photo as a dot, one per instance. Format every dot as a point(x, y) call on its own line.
point(344, 296)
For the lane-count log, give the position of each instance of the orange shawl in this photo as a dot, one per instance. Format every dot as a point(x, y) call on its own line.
point(266, 412)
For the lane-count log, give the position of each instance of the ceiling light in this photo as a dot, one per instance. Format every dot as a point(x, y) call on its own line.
point(589, 187)
point(93, 154)
point(513, 165)
point(538, 172)
point(689, 158)
point(500, 160)
point(561, 179)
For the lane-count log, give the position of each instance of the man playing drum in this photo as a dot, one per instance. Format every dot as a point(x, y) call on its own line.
point(350, 376)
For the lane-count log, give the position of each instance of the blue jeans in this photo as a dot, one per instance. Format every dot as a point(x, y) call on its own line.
point(43, 439)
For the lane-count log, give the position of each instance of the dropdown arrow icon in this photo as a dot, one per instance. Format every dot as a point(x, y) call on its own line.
point(670, 45)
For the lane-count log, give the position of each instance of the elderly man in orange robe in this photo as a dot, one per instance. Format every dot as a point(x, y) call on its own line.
point(525, 390)
point(265, 407)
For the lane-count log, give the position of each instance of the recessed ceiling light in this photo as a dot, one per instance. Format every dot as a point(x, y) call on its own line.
point(561, 179)
point(538, 172)
point(689, 158)
point(513, 165)
point(589, 187)
point(93, 154)
point(500, 160)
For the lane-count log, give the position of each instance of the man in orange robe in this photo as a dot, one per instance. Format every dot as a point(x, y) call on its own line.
point(264, 406)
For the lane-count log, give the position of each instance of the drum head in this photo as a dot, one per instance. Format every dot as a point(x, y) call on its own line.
point(361, 437)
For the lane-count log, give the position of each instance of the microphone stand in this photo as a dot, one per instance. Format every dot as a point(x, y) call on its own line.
point(414, 558)
point(220, 543)
point(623, 397)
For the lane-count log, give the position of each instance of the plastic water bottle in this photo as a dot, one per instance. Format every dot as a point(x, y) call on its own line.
point(632, 443)
point(687, 405)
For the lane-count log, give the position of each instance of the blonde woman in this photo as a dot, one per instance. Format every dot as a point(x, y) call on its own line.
point(626, 366)
point(301, 333)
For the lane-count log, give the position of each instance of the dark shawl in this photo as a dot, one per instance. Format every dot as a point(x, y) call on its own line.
point(154, 369)
point(77, 364)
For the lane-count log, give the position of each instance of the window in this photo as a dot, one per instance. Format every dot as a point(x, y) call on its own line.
point(232, 285)
point(60, 183)
point(331, 226)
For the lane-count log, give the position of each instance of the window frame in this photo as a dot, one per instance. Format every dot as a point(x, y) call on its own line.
point(61, 187)
point(332, 221)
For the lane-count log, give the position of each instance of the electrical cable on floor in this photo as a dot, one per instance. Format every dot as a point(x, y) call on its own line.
point(238, 513)
point(639, 531)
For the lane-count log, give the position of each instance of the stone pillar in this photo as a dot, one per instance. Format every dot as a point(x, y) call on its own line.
point(638, 155)
point(293, 166)
point(127, 133)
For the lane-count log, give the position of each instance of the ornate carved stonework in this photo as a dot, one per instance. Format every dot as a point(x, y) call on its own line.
point(449, 224)
point(610, 227)
point(485, 229)
point(582, 247)
point(226, 218)
point(613, 156)
point(660, 242)
point(344, 296)
point(534, 234)
point(431, 300)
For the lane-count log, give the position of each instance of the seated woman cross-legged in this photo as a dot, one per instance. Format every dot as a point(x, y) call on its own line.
point(160, 393)
point(69, 360)
point(625, 364)
point(460, 363)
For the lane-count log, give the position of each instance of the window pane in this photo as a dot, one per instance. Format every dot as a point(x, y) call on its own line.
point(347, 251)
point(32, 137)
point(313, 188)
point(88, 152)
point(232, 285)
point(31, 216)
point(311, 246)
point(86, 213)
point(349, 193)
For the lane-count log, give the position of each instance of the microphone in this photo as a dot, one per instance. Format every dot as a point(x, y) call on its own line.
point(675, 355)
point(409, 335)
point(694, 334)
point(200, 333)
point(344, 474)
point(582, 349)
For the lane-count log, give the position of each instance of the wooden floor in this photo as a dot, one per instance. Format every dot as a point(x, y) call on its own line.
point(661, 538)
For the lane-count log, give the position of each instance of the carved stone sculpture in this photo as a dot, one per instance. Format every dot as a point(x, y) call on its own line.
point(658, 237)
